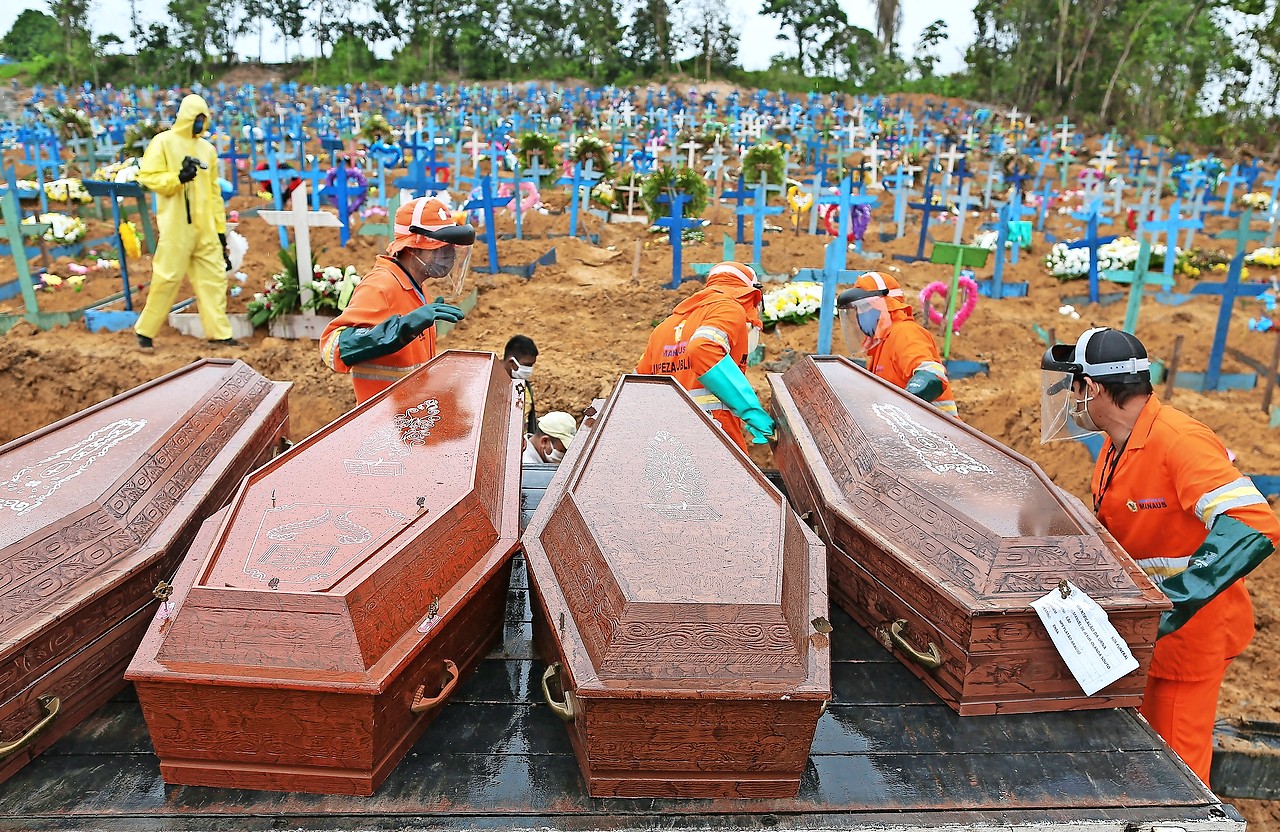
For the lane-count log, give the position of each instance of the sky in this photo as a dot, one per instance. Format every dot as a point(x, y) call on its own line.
point(759, 42)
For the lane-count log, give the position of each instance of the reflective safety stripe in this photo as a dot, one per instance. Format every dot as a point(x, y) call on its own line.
point(714, 334)
point(706, 400)
point(330, 351)
point(935, 368)
point(1160, 568)
point(1240, 492)
point(382, 372)
point(948, 406)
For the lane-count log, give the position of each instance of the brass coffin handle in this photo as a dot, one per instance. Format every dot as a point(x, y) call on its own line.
point(564, 709)
point(51, 706)
point(419, 704)
point(932, 660)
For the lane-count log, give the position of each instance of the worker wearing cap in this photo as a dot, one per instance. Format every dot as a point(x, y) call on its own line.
point(876, 320)
point(1165, 487)
point(550, 438)
point(388, 329)
point(704, 345)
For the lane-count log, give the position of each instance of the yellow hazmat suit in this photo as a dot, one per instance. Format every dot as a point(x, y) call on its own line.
point(189, 242)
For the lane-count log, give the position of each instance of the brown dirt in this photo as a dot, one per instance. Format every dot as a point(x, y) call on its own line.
point(591, 323)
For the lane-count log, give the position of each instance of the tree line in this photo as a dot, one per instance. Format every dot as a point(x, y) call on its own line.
point(1171, 67)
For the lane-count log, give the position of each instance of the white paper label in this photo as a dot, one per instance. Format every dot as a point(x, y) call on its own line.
point(1093, 650)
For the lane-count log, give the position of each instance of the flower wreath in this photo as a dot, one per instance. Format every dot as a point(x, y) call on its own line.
point(357, 184)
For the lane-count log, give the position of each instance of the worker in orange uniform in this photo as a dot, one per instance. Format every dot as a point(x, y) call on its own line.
point(704, 345)
point(388, 329)
point(877, 321)
point(1165, 487)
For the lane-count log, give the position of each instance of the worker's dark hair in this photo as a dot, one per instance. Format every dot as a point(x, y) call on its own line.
point(520, 346)
point(1123, 392)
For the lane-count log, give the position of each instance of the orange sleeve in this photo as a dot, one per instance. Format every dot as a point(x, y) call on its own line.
point(918, 347)
point(723, 328)
point(1209, 485)
point(368, 307)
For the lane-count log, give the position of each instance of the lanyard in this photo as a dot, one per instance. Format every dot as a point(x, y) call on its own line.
point(1109, 466)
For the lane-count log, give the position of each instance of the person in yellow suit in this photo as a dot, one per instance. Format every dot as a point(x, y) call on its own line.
point(182, 169)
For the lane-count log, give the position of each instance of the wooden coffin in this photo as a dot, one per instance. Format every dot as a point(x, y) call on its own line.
point(96, 510)
point(355, 582)
point(680, 605)
point(939, 538)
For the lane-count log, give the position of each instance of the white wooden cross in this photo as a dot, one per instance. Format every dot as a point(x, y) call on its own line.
point(630, 189)
point(1117, 194)
point(627, 111)
point(302, 221)
point(1103, 160)
point(855, 132)
point(951, 157)
point(678, 119)
point(476, 146)
point(910, 170)
point(873, 154)
point(692, 147)
point(1013, 114)
point(969, 136)
point(1064, 135)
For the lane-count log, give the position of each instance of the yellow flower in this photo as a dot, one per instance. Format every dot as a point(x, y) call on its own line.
point(51, 280)
point(129, 239)
point(76, 282)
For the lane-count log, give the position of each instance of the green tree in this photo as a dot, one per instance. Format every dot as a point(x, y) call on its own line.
point(814, 26)
point(290, 18)
point(33, 33)
point(649, 43)
point(76, 52)
point(925, 58)
point(711, 32)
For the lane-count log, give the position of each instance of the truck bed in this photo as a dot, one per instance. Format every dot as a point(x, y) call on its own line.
point(888, 755)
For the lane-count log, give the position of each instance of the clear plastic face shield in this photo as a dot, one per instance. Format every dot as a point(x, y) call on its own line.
point(1064, 406)
point(864, 322)
point(1069, 382)
point(442, 271)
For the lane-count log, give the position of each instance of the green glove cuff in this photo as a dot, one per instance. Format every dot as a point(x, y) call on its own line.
point(727, 383)
point(1231, 551)
point(925, 385)
point(357, 345)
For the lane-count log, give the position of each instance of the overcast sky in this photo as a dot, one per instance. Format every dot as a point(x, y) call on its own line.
point(759, 41)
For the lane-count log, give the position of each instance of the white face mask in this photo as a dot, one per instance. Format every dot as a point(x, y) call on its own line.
point(556, 455)
point(1078, 410)
point(753, 339)
point(522, 372)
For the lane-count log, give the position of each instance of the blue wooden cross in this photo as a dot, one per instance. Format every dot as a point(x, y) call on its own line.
point(113, 190)
point(676, 223)
point(739, 195)
point(1092, 217)
point(1232, 179)
point(233, 159)
point(341, 194)
point(583, 176)
point(315, 177)
point(996, 287)
point(1172, 226)
point(486, 203)
point(279, 178)
point(833, 271)
point(901, 195)
point(422, 170)
point(758, 210)
point(1046, 194)
point(926, 209)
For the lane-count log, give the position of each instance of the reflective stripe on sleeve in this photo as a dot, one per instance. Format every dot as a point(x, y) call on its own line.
point(706, 400)
point(935, 368)
point(329, 353)
point(1240, 492)
point(714, 334)
point(948, 406)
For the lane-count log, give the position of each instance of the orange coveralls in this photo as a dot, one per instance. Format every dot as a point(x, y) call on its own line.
point(1164, 492)
point(702, 330)
point(907, 347)
point(385, 291)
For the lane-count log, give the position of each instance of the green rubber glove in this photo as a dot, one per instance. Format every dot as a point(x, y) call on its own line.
point(925, 385)
point(420, 319)
point(727, 383)
point(359, 344)
point(1231, 551)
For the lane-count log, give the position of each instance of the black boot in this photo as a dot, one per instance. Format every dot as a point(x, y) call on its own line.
point(227, 342)
point(144, 344)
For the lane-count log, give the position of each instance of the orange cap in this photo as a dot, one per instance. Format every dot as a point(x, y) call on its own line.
point(427, 212)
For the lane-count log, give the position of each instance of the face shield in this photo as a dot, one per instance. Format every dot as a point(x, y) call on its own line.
point(864, 322)
point(1064, 406)
point(442, 271)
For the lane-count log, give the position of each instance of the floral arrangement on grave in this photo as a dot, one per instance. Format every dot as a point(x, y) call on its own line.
point(1210, 166)
point(281, 295)
point(331, 289)
point(792, 303)
point(1258, 200)
point(605, 196)
point(913, 157)
point(67, 190)
point(126, 171)
point(1268, 256)
point(374, 127)
point(136, 136)
point(709, 135)
point(672, 181)
point(765, 159)
point(584, 116)
point(70, 122)
point(542, 146)
point(129, 239)
point(1119, 254)
point(62, 231)
point(593, 148)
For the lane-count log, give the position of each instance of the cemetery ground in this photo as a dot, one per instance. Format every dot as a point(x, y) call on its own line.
point(591, 321)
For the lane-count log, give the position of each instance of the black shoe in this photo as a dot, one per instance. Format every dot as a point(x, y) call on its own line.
point(227, 342)
point(144, 344)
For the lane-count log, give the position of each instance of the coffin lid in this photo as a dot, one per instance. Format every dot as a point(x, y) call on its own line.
point(356, 542)
point(84, 501)
point(667, 559)
point(982, 520)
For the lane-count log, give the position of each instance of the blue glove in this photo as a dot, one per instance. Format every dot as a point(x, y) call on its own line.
point(727, 383)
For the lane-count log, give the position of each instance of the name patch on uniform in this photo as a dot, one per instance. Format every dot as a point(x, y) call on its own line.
point(1146, 504)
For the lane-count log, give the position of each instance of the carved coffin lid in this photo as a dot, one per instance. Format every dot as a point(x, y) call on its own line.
point(667, 560)
point(89, 500)
point(982, 521)
point(337, 559)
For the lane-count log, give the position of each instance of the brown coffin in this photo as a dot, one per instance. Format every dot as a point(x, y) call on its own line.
point(939, 538)
point(355, 582)
point(96, 510)
point(681, 604)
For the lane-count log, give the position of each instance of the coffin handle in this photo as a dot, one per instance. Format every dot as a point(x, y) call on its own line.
point(51, 706)
point(931, 660)
point(564, 709)
point(419, 704)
